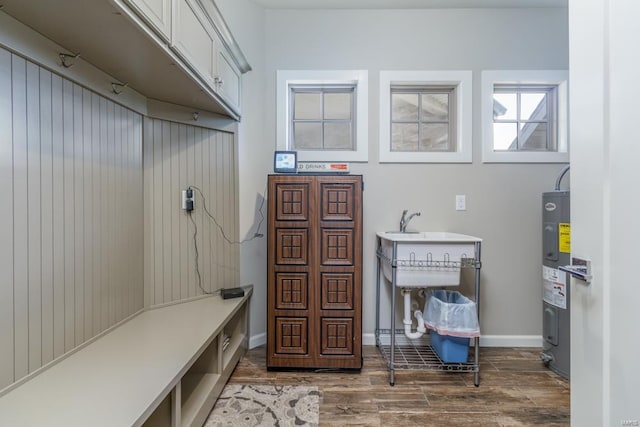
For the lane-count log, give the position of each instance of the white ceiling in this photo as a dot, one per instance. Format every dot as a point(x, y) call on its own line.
point(406, 4)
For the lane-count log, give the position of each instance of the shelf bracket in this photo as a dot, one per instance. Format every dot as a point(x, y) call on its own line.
point(65, 57)
point(116, 87)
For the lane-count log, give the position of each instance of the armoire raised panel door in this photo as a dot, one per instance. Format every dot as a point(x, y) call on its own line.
point(314, 303)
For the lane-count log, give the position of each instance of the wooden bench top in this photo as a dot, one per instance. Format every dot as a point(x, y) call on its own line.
point(119, 379)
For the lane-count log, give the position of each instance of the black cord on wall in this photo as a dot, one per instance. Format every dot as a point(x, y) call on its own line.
point(257, 234)
point(224, 236)
point(195, 245)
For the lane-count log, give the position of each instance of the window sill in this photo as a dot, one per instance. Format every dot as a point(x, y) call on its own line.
point(524, 157)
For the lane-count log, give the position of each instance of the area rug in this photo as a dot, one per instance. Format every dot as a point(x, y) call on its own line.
point(265, 405)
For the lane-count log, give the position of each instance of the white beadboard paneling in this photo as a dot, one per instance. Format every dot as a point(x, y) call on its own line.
point(217, 191)
point(46, 213)
point(108, 238)
point(71, 238)
point(58, 216)
point(96, 202)
point(34, 210)
point(87, 177)
point(69, 215)
point(78, 208)
point(136, 163)
point(20, 223)
point(104, 214)
point(6, 222)
point(166, 210)
point(198, 217)
point(156, 285)
point(203, 224)
point(185, 254)
point(116, 229)
point(191, 178)
point(174, 203)
point(176, 156)
point(147, 160)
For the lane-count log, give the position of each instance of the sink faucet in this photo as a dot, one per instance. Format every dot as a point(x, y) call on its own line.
point(404, 221)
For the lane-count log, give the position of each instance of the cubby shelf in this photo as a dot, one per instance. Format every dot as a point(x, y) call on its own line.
point(163, 367)
point(204, 389)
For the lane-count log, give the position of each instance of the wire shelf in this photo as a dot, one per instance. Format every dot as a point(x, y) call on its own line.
point(429, 264)
point(416, 353)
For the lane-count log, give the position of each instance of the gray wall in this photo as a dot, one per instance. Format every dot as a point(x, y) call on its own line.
point(70, 235)
point(503, 200)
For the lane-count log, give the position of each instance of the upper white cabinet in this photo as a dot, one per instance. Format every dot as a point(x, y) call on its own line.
point(179, 52)
point(194, 40)
point(196, 33)
point(156, 13)
point(228, 78)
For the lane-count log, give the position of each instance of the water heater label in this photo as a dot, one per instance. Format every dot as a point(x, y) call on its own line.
point(564, 237)
point(554, 287)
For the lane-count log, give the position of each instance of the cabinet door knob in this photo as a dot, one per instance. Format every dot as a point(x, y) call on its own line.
point(219, 81)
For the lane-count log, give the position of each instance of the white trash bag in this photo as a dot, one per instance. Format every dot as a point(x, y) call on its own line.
point(451, 313)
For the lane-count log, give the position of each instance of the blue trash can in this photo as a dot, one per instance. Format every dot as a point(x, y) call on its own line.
point(452, 319)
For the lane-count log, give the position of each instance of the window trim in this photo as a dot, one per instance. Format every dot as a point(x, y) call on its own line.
point(462, 79)
point(285, 78)
point(524, 77)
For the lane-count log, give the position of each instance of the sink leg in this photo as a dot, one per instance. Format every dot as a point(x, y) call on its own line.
point(393, 318)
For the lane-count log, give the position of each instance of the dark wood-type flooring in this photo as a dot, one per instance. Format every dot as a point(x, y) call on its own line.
point(515, 390)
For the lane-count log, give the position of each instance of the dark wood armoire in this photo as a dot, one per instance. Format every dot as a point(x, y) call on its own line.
point(314, 302)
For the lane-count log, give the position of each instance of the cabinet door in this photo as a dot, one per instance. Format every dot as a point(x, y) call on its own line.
point(291, 255)
point(194, 41)
point(228, 78)
point(157, 13)
point(339, 270)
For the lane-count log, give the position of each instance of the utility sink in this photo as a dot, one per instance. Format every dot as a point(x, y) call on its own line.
point(426, 258)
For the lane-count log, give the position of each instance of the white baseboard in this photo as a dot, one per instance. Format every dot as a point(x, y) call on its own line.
point(257, 340)
point(368, 339)
point(486, 340)
point(511, 341)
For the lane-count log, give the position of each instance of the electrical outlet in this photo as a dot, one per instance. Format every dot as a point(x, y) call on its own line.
point(187, 200)
point(461, 202)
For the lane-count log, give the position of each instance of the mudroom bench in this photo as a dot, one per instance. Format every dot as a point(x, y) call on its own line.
point(165, 366)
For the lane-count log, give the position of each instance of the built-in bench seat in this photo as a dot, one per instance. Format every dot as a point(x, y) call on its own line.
point(164, 366)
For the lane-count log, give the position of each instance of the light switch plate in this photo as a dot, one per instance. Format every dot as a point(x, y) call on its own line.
point(461, 202)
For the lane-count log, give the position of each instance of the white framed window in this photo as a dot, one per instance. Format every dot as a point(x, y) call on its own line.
point(425, 116)
point(323, 114)
point(524, 116)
